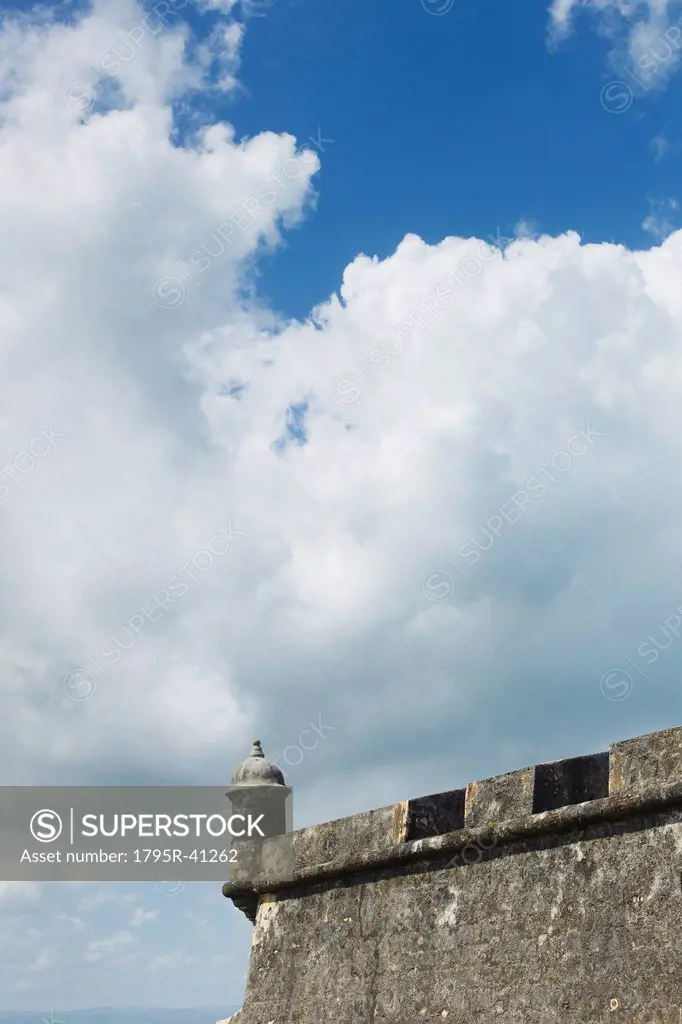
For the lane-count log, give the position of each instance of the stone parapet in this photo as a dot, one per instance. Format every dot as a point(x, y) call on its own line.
point(634, 775)
point(647, 760)
point(551, 895)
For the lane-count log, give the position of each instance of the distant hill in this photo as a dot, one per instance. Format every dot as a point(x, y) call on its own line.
point(103, 1015)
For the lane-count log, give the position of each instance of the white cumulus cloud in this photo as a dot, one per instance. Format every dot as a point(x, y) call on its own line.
point(645, 35)
point(429, 517)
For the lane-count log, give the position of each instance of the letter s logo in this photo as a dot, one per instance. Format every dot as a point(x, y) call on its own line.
point(46, 826)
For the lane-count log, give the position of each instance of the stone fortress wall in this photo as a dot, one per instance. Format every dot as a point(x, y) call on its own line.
point(550, 895)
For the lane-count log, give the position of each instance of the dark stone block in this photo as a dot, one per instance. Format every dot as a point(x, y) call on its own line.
point(435, 815)
point(573, 781)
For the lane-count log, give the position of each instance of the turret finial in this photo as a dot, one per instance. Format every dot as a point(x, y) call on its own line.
point(257, 770)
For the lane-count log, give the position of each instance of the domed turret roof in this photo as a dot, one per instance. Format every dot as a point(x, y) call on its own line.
point(257, 770)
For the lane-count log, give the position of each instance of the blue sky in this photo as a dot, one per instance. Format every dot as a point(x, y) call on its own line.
point(451, 124)
point(433, 404)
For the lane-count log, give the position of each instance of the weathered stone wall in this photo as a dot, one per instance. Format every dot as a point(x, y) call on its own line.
point(547, 895)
